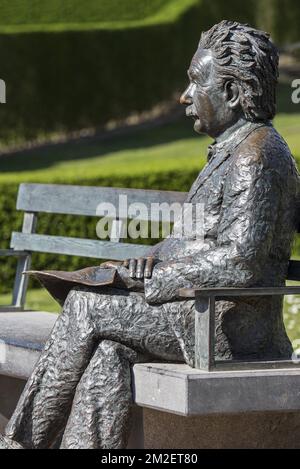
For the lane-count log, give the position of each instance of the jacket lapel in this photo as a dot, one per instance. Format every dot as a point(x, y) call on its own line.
point(208, 169)
point(221, 155)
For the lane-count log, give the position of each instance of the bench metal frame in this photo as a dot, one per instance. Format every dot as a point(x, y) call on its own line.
point(75, 200)
point(24, 262)
point(84, 200)
point(205, 299)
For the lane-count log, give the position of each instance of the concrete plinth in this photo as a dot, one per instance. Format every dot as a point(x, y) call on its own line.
point(3, 422)
point(256, 430)
point(10, 391)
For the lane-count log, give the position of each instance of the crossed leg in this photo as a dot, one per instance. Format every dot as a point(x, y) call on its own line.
point(81, 384)
point(101, 410)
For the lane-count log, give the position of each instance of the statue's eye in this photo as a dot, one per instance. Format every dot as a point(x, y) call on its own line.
point(203, 85)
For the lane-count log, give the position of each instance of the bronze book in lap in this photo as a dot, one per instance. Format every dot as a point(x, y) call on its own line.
point(59, 282)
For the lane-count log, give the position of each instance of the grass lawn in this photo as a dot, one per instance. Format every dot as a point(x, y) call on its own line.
point(54, 15)
point(37, 299)
point(170, 147)
point(55, 11)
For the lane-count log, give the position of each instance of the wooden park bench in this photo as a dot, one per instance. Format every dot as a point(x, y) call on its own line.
point(209, 406)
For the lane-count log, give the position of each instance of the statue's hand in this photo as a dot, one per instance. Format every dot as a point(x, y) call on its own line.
point(140, 268)
point(132, 271)
point(111, 264)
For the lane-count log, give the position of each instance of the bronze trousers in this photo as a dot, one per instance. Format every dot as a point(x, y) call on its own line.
point(79, 394)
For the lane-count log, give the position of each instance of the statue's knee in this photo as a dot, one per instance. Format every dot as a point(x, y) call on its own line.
point(107, 347)
point(79, 305)
point(112, 348)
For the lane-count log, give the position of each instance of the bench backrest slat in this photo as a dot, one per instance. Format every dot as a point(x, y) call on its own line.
point(77, 246)
point(84, 200)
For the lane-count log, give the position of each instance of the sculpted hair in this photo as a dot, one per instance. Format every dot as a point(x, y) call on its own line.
point(246, 56)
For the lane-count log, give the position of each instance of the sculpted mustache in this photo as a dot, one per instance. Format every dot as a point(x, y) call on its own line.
point(190, 112)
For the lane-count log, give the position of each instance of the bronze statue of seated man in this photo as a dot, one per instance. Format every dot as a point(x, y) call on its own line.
point(80, 391)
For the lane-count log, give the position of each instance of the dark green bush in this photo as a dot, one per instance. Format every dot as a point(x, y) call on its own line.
point(66, 80)
point(15, 12)
point(281, 18)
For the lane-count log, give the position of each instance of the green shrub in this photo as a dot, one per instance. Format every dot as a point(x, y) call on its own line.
point(281, 18)
point(66, 80)
point(20, 12)
point(65, 73)
point(63, 77)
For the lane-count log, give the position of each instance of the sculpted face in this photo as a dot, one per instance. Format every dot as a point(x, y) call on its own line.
point(212, 106)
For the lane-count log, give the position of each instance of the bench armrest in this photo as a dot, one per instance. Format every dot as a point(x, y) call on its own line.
point(228, 291)
point(205, 299)
point(12, 252)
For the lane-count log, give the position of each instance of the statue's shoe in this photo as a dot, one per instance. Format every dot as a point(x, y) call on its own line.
point(7, 443)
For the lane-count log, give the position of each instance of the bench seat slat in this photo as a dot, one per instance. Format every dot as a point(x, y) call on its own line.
point(77, 246)
point(84, 200)
point(228, 291)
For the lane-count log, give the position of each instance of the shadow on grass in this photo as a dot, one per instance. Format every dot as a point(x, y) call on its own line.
point(92, 147)
point(47, 156)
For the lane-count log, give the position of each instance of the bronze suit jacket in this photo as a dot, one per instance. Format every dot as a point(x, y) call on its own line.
point(249, 189)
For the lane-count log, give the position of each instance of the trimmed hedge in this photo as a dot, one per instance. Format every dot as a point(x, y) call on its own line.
point(60, 81)
point(69, 80)
point(20, 12)
point(281, 18)
point(68, 76)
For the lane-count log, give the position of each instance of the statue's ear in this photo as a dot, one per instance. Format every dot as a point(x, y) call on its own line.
point(232, 93)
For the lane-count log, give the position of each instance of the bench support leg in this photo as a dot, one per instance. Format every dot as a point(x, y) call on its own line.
point(21, 281)
point(204, 333)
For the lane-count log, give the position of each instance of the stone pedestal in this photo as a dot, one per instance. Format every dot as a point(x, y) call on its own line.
point(3, 422)
point(10, 391)
point(246, 430)
point(187, 408)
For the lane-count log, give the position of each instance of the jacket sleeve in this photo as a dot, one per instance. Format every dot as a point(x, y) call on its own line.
point(251, 198)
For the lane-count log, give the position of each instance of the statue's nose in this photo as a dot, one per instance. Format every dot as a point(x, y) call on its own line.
point(186, 98)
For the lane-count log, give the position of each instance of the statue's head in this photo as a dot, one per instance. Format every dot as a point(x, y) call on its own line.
point(233, 74)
